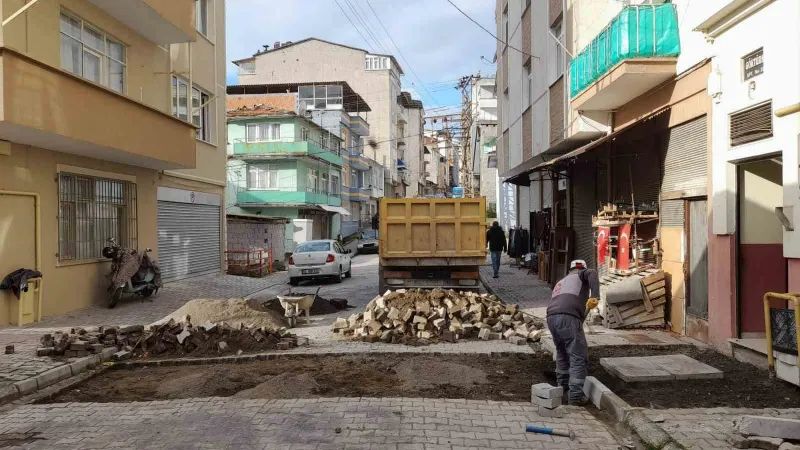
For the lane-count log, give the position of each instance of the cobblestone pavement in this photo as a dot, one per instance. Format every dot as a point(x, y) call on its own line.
point(363, 423)
point(706, 428)
point(515, 285)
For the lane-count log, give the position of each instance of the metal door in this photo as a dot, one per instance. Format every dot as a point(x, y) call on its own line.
point(697, 300)
point(188, 239)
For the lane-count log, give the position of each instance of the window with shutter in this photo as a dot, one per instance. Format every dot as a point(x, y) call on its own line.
point(750, 125)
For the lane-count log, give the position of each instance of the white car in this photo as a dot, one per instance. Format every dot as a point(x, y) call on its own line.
point(317, 259)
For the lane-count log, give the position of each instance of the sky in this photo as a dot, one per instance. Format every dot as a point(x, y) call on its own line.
point(437, 43)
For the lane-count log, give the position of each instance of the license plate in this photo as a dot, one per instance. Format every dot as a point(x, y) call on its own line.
point(310, 271)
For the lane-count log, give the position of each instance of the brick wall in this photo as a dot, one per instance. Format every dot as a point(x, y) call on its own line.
point(251, 235)
point(526, 36)
point(527, 134)
point(557, 112)
point(554, 11)
point(284, 102)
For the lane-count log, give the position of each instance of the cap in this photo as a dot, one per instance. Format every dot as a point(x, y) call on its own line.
point(577, 264)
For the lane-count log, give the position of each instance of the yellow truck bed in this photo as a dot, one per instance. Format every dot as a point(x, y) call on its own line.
point(433, 228)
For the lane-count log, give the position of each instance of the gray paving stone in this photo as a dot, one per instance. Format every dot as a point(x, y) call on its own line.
point(685, 367)
point(633, 369)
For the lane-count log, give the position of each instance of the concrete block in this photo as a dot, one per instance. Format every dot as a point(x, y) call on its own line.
point(544, 390)
point(738, 441)
point(108, 353)
point(509, 333)
point(518, 340)
point(635, 369)
point(684, 367)
point(25, 387)
point(618, 407)
point(495, 336)
point(79, 366)
point(122, 355)
point(556, 412)
point(769, 427)
point(484, 334)
point(594, 389)
point(45, 351)
point(546, 402)
point(765, 443)
point(53, 376)
point(789, 446)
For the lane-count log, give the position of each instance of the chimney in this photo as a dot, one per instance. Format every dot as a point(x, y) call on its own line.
point(277, 45)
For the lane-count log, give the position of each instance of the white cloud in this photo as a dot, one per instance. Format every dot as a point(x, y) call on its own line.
point(436, 40)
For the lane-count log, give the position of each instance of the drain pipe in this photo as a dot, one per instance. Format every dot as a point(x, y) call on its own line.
point(37, 217)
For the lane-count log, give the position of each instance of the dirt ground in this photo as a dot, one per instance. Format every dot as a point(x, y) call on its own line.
point(477, 377)
point(457, 376)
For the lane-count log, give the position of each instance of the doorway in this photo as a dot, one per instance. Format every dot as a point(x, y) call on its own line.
point(762, 267)
point(697, 259)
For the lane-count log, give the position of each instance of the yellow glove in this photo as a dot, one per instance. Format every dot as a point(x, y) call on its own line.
point(591, 304)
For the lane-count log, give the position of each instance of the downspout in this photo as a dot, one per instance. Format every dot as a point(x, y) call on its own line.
point(37, 218)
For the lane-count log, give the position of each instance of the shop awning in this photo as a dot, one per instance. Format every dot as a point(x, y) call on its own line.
point(335, 209)
point(519, 175)
point(594, 144)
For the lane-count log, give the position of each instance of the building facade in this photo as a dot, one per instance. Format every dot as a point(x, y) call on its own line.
point(410, 151)
point(375, 77)
point(130, 139)
point(483, 133)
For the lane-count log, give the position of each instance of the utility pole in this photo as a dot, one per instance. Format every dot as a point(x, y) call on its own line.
point(465, 84)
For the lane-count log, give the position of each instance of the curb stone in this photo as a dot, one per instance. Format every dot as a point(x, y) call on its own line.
point(50, 377)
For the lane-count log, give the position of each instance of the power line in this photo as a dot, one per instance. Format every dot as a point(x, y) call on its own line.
point(366, 27)
point(400, 52)
point(354, 25)
point(490, 33)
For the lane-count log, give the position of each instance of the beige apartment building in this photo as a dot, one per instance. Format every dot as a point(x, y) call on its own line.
point(112, 119)
point(376, 78)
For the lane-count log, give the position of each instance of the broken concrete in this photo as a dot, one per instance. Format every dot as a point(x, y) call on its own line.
point(769, 427)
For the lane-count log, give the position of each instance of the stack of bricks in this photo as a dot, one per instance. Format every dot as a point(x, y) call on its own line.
point(548, 398)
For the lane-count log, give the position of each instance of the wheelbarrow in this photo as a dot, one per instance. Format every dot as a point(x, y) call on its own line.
point(293, 304)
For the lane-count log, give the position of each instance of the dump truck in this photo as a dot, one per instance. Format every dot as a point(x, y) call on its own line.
point(431, 243)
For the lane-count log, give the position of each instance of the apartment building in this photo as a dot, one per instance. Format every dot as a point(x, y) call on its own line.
point(410, 151)
point(483, 133)
point(110, 127)
point(375, 77)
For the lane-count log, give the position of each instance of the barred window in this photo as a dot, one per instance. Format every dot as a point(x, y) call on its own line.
point(91, 211)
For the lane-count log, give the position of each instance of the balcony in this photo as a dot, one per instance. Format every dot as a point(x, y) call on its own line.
point(46, 107)
point(358, 194)
point(359, 126)
point(635, 53)
point(163, 22)
point(283, 150)
point(401, 165)
point(287, 197)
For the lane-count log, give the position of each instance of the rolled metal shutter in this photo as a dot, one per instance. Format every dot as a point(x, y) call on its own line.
point(583, 183)
point(672, 213)
point(686, 159)
point(188, 239)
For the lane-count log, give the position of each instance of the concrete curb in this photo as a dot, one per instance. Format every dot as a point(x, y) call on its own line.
point(50, 377)
point(603, 398)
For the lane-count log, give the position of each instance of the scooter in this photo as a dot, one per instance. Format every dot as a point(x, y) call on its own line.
point(131, 273)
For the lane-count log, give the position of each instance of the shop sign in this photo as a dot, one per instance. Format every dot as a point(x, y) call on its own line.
point(753, 64)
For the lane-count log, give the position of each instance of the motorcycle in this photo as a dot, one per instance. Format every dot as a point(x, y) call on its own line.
point(131, 273)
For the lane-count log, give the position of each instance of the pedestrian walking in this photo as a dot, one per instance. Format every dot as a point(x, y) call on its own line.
point(496, 239)
point(572, 299)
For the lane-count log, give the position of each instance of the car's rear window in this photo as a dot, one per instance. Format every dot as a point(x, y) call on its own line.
point(308, 247)
point(371, 234)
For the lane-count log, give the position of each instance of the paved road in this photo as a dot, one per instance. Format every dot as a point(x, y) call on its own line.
point(362, 423)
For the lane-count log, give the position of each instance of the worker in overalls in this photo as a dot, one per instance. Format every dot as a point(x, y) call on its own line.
point(573, 297)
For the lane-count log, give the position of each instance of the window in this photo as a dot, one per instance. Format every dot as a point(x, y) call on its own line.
point(90, 212)
point(91, 54)
point(263, 132)
point(355, 147)
point(304, 134)
point(354, 178)
point(527, 87)
point(180, 98)
point(312, 182)
point(262, 176)
point(324, 141)
point(200, 116)
point(324, 185)
point(557, 51)
point(308, 247)
point(335, 184)
point(376, 62)
point(324, 96)
point(202, 16)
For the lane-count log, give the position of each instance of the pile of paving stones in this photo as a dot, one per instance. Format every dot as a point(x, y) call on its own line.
point(166, 339)
point(423, 316)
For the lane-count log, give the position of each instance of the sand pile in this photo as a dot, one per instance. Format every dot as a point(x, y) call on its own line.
point(234, 312)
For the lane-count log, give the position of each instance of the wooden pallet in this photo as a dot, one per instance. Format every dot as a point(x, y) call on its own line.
point(649, 311)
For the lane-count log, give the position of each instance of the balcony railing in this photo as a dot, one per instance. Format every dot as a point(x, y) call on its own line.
point(285, 147)
point(637, 32)
point(287, 196)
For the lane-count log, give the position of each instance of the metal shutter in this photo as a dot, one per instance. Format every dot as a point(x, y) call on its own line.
point(188, 239)
point(637, 163)
point(672, 213)
point(584, 205)
point(686, 159)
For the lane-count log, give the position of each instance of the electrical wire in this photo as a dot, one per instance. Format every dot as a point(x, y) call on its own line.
point(354, 25)
point(366, 27)
point(490, 33)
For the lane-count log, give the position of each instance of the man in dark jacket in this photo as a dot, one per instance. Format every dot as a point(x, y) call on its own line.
point(496, 239)
point(572, 299)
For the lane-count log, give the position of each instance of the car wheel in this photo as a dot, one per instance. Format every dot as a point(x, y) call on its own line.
point(293, 281)
point(338, 278)
point(349, 273)
point(147, 292)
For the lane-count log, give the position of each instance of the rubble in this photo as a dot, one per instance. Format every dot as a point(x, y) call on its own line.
point(421, 316)
point(168, 338)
